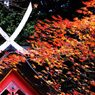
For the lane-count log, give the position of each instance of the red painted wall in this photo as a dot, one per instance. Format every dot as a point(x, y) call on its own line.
point(17, 78)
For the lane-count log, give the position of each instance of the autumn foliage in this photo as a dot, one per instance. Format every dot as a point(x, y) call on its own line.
point(10, 60)
point(64, 52)
point(66, 49)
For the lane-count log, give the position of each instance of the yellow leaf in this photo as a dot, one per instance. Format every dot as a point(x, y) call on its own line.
point(47, 60)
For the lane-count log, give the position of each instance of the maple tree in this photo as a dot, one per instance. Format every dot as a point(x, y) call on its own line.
point(10, 60)
point(66, 50)
point(63, 52)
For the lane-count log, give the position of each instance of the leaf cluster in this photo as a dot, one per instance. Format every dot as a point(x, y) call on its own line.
point(66, 51)
point(63, 52)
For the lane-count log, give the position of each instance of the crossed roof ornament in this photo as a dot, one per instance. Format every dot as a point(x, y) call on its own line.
point(10, 40)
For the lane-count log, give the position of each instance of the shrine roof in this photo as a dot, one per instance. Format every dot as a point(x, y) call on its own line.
point(28, 75)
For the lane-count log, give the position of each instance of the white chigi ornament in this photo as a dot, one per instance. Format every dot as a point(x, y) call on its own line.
point(10, 40)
